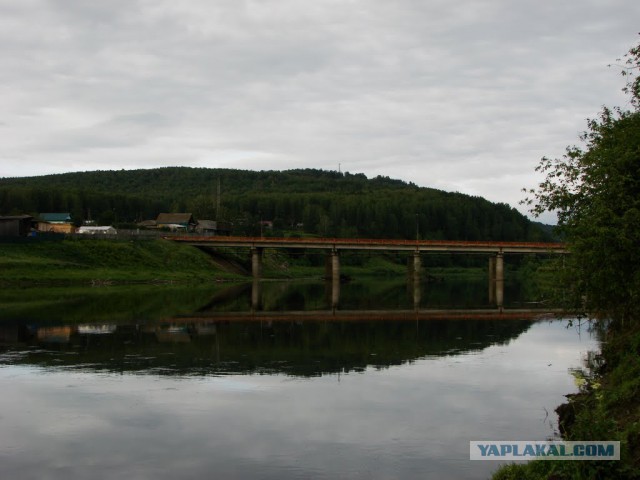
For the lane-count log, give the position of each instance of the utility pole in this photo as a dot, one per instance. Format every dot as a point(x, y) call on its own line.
point(218, 202)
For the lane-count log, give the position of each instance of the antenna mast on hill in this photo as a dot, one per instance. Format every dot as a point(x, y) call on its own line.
point(218, 201)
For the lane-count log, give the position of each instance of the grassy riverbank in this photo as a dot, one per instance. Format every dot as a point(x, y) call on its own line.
point(81, 261)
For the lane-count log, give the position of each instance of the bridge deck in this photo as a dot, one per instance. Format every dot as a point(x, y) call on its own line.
point(459, 246)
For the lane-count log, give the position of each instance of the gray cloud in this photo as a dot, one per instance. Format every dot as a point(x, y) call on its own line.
point(460, 96)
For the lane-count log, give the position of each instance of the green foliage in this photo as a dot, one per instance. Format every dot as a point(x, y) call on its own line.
point(595, 191)
point(632, 65)
point(301, 201)
point(530, 471)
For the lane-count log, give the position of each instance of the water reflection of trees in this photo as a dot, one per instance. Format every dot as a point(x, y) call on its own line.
point(298, 348)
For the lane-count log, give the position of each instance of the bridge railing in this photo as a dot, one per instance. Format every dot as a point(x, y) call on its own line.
point(337, 242)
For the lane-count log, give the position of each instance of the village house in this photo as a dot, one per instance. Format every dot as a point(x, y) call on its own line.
point(56, 223)
point(176, 222)
point(15, 225)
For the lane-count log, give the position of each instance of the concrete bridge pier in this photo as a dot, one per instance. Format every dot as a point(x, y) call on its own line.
point(417, 265)
point(255, 295)
point(414, 266)
point(499, 279)
point(332, 266)
point(335, 278)
point(496, 279)
point(415, 277)
point(335, 266)
point(256, 262)
point(416, 295)
point(335, 294)
point(492, 280)
point(332, 276)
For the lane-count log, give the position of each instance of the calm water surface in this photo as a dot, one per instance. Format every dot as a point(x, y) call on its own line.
point(169, 383)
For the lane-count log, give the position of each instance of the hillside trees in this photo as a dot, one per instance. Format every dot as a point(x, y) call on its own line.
point(305, 201)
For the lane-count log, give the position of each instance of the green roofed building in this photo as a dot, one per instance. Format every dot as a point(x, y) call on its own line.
point(55, 217)
point(55, 223)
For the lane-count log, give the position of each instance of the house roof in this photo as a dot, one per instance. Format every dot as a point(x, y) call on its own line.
point(15, 217)
point(175, 218)
point(55, 217)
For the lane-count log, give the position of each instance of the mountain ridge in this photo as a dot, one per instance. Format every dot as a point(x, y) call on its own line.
point(312, 201)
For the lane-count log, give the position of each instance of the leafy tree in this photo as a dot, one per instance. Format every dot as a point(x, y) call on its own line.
point(595, 190)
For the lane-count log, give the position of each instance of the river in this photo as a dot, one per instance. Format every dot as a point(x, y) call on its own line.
point(222, 381)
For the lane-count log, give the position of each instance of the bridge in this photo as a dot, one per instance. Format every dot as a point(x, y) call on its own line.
point(495, 250)
point(335, 244)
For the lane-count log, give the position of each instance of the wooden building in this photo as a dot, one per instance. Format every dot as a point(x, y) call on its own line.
point(15, 226)
point(56, 223)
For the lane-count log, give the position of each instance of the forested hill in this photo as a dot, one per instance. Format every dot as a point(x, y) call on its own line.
point(302, 201)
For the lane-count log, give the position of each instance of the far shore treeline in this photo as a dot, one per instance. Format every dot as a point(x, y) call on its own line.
point(308, 201)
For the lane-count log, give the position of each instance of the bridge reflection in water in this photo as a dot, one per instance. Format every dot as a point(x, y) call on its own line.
point(495, 298)
point(370, 315)
point(239, 330)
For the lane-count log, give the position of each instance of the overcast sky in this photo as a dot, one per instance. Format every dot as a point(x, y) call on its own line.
point(463, 95)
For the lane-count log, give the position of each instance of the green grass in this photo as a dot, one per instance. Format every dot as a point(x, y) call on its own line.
point(378, 266)
point(95, 260)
